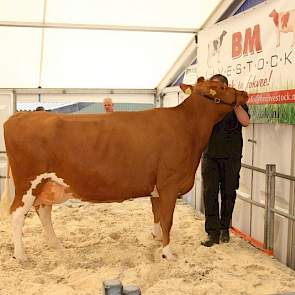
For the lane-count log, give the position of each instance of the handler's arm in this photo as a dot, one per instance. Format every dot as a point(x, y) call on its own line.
point(242, 116)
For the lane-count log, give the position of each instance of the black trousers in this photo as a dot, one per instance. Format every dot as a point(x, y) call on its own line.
point(219, 175)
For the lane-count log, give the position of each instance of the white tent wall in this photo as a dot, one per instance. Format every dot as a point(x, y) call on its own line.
point(263, 145)
point(7, 108)
point(20, 57)
point(89, 44)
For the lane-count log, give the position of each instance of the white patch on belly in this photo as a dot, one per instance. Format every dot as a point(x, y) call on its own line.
point(52, 176)
point(155, 193)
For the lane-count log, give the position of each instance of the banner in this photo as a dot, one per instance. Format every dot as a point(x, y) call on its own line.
point(255, 51)
point(190, 75)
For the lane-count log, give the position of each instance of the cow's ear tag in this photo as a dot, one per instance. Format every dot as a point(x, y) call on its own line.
point(212, 92)
point(188, 91)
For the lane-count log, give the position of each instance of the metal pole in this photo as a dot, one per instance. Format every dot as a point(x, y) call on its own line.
point(291, 230)
point(291, 260)
point(42, 49)
point(74, 26)
point(266, 209)
point(291, 223)
point(14, 103)
point(162, 100)
point(252, 174)
point(269, 205)
point(271, 215)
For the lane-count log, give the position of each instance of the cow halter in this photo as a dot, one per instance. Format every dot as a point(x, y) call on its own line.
point(218, 100)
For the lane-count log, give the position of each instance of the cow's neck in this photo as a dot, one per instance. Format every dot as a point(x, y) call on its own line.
point(201, 117)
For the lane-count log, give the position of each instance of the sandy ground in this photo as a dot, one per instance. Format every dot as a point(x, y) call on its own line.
point(113, 241)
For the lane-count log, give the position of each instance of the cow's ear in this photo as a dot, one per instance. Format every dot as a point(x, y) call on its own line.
point(187, 89)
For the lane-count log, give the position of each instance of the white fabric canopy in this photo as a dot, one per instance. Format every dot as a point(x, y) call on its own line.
point(67, 57)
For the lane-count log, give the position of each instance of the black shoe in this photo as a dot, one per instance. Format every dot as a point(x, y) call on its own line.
point(211, 240)
point(224, 236)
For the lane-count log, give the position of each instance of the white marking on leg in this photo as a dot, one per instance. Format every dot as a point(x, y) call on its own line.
point(155, 193)
point(157, 231)
point(45, 217)
point(167, 253)
point(18, 216)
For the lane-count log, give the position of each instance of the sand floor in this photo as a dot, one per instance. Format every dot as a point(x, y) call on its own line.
point(113, 241)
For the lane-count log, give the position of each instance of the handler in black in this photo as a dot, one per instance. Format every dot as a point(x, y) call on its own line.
point(221, 166)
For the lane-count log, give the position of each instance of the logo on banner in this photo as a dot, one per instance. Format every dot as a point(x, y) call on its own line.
point(214, 48)
point(284, 22)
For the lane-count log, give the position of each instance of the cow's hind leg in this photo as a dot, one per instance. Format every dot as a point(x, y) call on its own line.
point(44, 213)
point(167, 206)
point(19, 212)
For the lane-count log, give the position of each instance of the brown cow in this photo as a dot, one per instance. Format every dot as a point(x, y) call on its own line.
point(111, 157)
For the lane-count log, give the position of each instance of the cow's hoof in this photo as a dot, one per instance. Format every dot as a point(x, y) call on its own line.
point(56, 246)
point(167, 254)
point(170, 257)
point(21, 259)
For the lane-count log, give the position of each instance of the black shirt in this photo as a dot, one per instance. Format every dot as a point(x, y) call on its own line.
point(226, 140)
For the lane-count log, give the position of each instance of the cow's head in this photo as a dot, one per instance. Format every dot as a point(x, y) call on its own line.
point(216, 93)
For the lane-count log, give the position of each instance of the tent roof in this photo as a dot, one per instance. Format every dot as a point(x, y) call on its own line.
point(94, 43)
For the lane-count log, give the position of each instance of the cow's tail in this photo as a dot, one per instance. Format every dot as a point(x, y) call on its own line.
point(5, 201)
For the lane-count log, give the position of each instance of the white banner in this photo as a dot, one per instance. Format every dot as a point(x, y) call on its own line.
point(255, 51)
point(190, 75)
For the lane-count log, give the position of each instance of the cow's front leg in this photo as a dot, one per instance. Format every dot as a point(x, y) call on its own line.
point(167, 206)
point(157, 231)
point(18, 218)
point(44, 213)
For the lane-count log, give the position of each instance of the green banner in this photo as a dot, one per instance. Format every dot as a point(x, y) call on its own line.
point(273, 113)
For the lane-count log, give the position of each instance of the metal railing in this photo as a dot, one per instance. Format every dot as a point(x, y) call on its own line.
point(270, 210)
